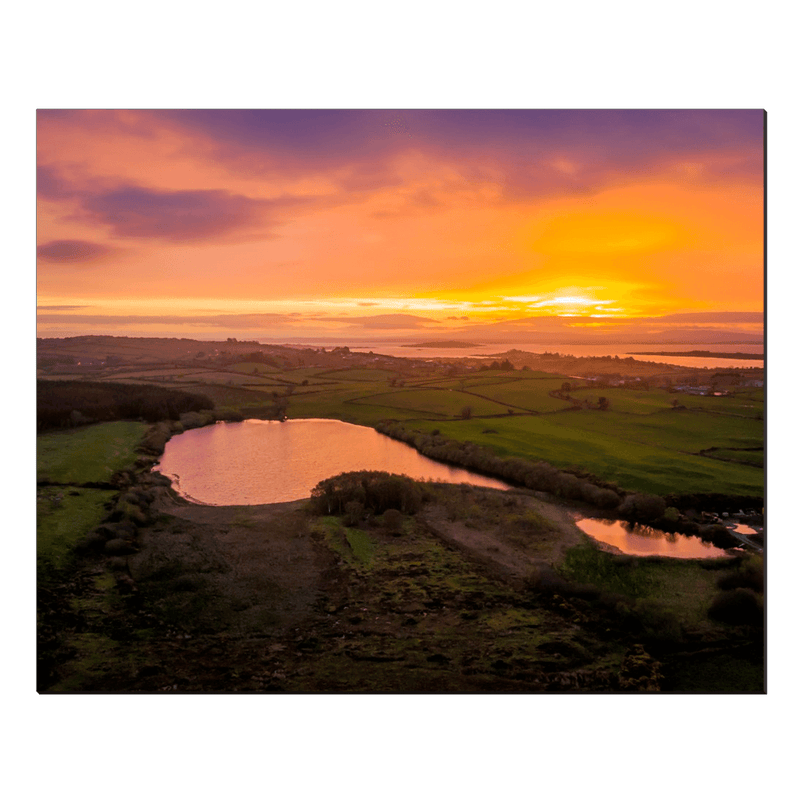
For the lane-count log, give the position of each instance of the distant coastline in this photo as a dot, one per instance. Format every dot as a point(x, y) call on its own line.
point(700, 354)
point(450, 343)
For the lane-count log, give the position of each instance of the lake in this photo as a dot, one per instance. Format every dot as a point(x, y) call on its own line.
point(639, 540)
point(266, 461)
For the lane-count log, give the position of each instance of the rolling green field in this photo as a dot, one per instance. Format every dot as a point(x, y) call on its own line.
point(753, 457)
point(87, 455)
point(67, 512)
point(366, 375)
point(641, 443)
point(605, 449)
point(531, 395)
point(63, 517)
point(738, 404)
point(439, 402)
point(250, 367)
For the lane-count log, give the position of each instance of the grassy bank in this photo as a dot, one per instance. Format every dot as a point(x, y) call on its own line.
point(91, 454)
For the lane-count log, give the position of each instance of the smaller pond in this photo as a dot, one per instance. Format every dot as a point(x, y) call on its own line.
point(744, 530)
point(639, 540)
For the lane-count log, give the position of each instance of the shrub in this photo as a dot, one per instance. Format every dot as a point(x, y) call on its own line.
point(119, 547)
point(545, 580)
point(672, 514)
point(353, 512)
point(602, 498)
point(748, 575)
point(392, 520)
point(642, 507)
point(195, 419)
point(718, 535)
point(738, 606)
point(375, 491)
point(92, 541)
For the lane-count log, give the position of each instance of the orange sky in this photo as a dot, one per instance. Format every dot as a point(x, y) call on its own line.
point(199, 223)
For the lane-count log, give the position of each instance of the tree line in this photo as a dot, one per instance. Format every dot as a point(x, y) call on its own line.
point(639, 507)
point(63, 404)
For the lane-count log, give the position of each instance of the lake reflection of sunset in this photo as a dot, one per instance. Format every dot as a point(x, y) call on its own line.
point(639, 540)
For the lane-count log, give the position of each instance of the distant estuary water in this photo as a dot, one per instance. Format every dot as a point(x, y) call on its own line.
point(259, 461)
point(648, 352)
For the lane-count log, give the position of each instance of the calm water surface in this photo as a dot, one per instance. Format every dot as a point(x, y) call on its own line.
point(639, 540)
point(260, 461)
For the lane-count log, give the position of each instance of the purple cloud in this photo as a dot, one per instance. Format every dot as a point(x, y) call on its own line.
point(181, 216)
point(242, 321)
point(51, 185)
point(71, 251)
point(521, 144)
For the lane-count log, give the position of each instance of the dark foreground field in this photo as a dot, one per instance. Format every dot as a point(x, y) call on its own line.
point(479, 591)
point(476, 591)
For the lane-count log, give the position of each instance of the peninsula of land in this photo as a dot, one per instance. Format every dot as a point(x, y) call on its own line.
point(700, 354)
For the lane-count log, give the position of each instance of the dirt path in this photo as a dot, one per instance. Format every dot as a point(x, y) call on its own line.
point(265, 558)
point(511, 551)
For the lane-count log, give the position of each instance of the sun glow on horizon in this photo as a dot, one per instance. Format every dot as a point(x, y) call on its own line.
point(276, 220)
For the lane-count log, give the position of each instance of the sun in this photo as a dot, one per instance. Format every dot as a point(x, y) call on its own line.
point(566, 302)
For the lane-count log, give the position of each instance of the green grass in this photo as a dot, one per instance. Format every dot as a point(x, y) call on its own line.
point(641, 443)
point(448, 610)
point(235, 378)
point(719, 673)
point(433, 402)
point(335, 404)
point(495, 378)
point(95, 657)
point(87, 455)
point(250, 366)
point(63, 517)
point(354, 546)
point(361, 545)
point(684, 587)
point(234, 397)
point(630, 401)
point(633, 578)
point(647, 457)
point(530, 394)
point(734, 404)
point(754, 458)
point(367, 375)
point(301, 373)
point(684, 431)
point(640, 451)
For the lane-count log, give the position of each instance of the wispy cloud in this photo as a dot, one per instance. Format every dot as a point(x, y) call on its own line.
point(182, 216)
point(72, 251)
